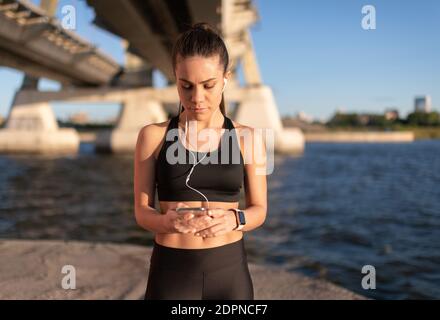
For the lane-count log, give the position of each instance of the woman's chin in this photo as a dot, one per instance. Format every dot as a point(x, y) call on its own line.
point(200, 113)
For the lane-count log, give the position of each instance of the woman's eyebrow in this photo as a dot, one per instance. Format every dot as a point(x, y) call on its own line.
point(204, 81)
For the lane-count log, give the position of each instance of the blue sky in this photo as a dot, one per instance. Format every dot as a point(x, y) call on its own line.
point(315, 56)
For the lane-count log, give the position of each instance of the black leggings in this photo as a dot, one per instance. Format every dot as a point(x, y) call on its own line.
point(219, 273)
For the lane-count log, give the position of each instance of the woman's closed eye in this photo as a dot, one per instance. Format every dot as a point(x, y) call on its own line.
point(206, 86)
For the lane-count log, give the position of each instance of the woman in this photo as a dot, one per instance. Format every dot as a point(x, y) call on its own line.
point(198, 256)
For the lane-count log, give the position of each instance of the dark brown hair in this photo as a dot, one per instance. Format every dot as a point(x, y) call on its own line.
point(201, 40)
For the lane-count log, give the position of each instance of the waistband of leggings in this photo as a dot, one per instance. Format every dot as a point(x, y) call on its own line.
point(197, 260)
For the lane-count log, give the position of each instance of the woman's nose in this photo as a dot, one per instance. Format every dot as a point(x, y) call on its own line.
point(197, 95)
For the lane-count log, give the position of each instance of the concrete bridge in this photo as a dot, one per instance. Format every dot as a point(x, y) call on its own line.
point(33, 41)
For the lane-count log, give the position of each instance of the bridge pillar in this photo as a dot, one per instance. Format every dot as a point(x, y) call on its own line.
point(258, 109)
point(136, 112)
point(31, 127)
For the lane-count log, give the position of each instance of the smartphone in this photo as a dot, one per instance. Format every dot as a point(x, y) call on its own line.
point(195, 210)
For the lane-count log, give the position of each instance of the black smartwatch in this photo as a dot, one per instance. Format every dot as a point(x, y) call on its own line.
point(241, 219)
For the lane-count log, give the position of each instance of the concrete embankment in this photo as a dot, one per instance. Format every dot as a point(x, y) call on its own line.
point(33, 269)
point(349, 136)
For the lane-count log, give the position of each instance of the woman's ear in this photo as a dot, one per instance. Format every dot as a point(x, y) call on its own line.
point(227, 75)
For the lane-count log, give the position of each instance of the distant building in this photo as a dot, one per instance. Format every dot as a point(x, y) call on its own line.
point(422, 104)
point(340, 110)
point(364, 119)
point(302, 116)
point(391, 114)
point(79, 118)
point(321, 120)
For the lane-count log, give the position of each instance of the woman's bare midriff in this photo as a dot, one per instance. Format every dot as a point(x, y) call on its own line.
point(190, 241)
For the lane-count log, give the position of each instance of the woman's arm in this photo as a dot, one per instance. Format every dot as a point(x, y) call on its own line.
point(144, 181)
point(255, 181)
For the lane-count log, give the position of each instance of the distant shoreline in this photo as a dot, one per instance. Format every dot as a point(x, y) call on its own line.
point(419, 132)
point(360, 136)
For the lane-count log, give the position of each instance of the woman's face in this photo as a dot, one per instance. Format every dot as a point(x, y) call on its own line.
point(200, 84)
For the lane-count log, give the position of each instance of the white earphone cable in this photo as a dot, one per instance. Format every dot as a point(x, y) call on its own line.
point(196, 163)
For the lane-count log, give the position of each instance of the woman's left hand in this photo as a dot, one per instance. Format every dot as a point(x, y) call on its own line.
point(223, 221)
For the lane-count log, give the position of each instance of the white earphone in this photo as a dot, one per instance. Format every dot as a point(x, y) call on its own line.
point(225, 81)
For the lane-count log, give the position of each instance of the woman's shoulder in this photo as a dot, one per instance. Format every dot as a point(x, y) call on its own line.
point(155, 130)
point(151, 135)
point(242, 129)
point(249, 135)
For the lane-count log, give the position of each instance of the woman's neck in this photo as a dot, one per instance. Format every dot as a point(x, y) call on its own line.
point(214, 121)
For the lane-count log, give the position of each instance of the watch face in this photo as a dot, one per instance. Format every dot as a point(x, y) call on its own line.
point(241, 217)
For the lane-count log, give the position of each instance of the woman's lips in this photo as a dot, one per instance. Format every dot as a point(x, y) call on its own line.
point(199, 109)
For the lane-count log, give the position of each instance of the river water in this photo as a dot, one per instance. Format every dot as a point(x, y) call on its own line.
point(332, 210)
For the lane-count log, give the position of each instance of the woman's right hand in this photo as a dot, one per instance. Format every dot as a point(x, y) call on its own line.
point(177, 222)
point(184, 222)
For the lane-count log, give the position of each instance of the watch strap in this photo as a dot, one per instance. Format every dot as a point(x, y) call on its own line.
point(237, 220)
point(239, 226)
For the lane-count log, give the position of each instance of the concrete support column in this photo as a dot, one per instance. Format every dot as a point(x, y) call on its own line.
point(258, 109)
point(251, 70)
point(31, 127)
point(136, 112)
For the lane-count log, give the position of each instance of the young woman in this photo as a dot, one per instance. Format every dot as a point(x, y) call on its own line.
point(199, 256)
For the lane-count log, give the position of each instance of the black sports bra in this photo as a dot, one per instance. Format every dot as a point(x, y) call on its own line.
point(218, 177)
